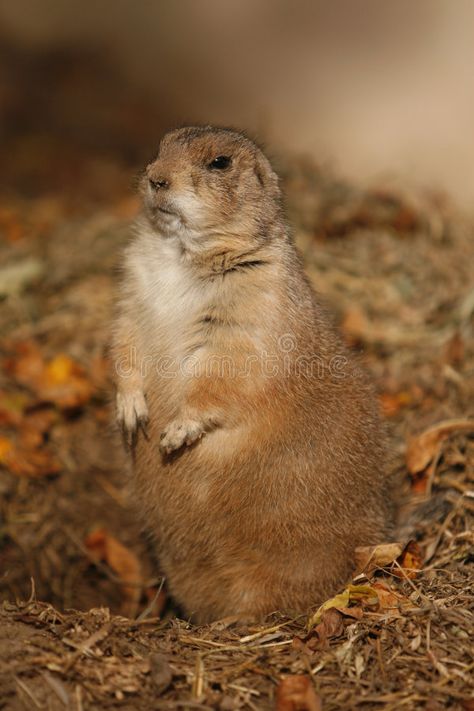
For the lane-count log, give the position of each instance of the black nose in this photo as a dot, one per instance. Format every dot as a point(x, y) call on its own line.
point(158, 183)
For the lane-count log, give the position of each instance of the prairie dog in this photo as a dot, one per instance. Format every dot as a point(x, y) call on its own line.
point(262, 464)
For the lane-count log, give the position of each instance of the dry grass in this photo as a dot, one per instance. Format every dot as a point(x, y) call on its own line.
point(398, 272)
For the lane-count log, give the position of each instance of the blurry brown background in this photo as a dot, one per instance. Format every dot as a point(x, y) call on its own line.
point(373, 88)
point(360, 103)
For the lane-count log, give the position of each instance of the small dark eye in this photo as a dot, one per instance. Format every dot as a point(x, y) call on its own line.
point(220, 163)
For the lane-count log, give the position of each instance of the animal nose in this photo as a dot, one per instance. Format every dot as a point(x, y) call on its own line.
point(159, 183)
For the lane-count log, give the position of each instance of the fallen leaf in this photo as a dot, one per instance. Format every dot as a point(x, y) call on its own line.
point(411, 560)
point(422, 449)
point(5, 448)
point(28, 459)
point(389, 599)
point(356, 613)
point(361, 593)
point(340, 600)
point(24, 452)
point(65, 383)
point(352, 593)
point(60, 381)
point(331, 626)
point(393, 402)
point(392, 556)
point(296, 693)
point(122, 561)
point(369, 558)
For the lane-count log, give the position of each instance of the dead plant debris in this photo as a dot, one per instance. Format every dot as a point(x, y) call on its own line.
point(85, 622)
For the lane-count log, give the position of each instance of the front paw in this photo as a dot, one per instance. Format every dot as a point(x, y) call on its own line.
point(180, 433)
point(132, 413)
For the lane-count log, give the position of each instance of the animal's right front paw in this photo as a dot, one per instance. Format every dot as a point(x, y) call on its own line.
point(132, 413)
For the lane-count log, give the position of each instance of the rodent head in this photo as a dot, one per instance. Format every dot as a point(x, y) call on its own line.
point(210, 182)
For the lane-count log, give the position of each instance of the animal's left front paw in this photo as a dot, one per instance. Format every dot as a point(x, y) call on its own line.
point(180, 433)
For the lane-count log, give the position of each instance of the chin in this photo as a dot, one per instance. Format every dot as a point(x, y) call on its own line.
point(166, 224)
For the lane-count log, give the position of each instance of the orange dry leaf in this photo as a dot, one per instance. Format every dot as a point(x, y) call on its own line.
point(28, 459)
point(424, 449)
point(352, 594)
point(411, 560)
point(5, 448)
point(65, 383)
point(24, 453)
point(331, 626)
point(390, 600)
point(392, 556)
point(369, 558)
point(392, 403)
point(296, 693)
point(421, 450)
point(377, 596)
point(61, 381)
point(122, 561)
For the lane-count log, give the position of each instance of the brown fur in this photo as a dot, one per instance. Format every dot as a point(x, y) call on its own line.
point(257, 481)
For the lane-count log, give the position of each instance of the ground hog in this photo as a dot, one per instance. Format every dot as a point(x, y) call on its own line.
point(258, 452)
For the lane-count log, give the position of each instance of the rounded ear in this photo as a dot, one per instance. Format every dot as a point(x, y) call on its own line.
point(266, 176)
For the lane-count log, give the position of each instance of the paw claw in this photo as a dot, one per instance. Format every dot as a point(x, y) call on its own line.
point(132, 414)
point(178, 434)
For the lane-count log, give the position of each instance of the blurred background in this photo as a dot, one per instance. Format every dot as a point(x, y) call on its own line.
point(371, 88)
point(367, 109)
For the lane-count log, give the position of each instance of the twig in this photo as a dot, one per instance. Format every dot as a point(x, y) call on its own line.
point(444, 527)
point(29, 693)
point(98, 636)
point(150, 606)
point(380, 658)
point(198, 684)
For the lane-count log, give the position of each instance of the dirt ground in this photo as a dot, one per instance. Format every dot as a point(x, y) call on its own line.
point(85, 621)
